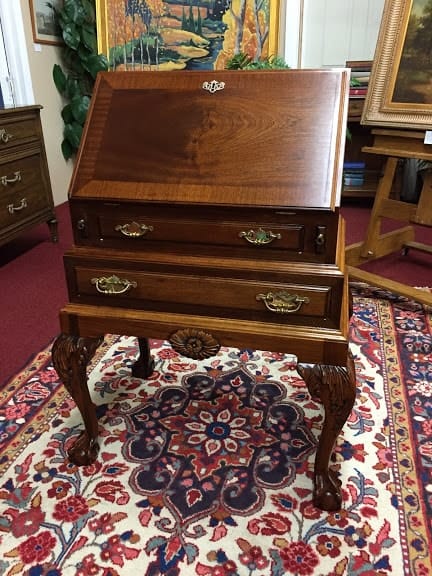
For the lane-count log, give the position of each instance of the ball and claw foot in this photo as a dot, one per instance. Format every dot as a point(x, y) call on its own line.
point(327, 492)
point(84, 451)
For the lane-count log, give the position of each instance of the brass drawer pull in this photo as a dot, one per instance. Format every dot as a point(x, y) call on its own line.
point(5, 136)
point(113, 285)
point(260, 237)
point(11, 208)
point(16, 178)
point(133, 230)
point(282, 302)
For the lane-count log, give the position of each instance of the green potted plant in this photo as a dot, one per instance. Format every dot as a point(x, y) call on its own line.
point(242, 61)
point(81, 63)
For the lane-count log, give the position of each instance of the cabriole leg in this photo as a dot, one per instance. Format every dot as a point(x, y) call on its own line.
point(71, 355)
point(336, 387)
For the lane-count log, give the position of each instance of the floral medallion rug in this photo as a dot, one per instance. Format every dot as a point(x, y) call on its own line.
point(206, 467)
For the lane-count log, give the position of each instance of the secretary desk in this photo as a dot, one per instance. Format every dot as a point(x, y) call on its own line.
point(205, 212)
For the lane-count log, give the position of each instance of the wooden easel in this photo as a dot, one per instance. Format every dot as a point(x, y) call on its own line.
point(394, 144)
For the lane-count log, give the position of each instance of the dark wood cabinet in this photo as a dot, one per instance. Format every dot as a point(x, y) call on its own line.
point(205, 210)
point(25, 188)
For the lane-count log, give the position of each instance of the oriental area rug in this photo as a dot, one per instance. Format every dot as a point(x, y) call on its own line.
point(206, 467)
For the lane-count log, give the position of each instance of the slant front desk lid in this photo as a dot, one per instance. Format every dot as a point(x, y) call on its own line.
point(251, 138)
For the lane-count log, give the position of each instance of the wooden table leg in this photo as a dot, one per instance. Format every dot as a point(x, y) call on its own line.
point(70, 355)
point(53, 229)
point(423, 213)
point(376, 244)
point(336, 387)
point(144, 365)
point(382, 193)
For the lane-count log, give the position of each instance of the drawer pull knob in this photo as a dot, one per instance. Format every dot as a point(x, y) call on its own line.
point(113, 285)
point(16, 178)
point(260, 237)
point(282, 302)
point(133, 230)
point(22, 205)
point(5, 136)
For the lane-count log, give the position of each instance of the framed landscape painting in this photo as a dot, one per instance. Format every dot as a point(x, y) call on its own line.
point(44, 26)
point(400, 86)
point(185, 34)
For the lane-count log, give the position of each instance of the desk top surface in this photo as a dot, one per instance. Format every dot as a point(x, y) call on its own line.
point(272, 138)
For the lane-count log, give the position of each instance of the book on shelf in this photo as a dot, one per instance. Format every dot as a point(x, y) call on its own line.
point(359, 65)
point(360, 73)
point(361, 80)
point(354, 179)
point(348, 181)
point(354, 173)
point(354, 165)
point(358, 91)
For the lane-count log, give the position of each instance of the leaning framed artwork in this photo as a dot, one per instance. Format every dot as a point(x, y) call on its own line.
point(44, 26)
point(400, 86)
point(185, 34)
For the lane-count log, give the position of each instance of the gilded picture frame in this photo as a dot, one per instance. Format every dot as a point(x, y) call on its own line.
point(44, 27)
point(400, 89)
point(195, 34)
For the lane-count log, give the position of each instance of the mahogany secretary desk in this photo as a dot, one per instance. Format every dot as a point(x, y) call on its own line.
point(205, 212)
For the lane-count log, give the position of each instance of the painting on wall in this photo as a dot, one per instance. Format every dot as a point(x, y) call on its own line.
point(185, 34)
point(400, 87)
point(44, 26)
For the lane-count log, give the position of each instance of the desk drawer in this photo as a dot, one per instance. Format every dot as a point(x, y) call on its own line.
point(269, 233)
point(296, 298)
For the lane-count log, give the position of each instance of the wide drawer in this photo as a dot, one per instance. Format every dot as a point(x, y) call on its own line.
point(260, 233)
point(299, 297)
point(22, 189)
point(16, 130)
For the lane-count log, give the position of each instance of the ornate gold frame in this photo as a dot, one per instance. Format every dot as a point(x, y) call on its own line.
point(380, 106)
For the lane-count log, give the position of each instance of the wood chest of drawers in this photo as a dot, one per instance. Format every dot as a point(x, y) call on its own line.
point(25, 189)
point(205, 212)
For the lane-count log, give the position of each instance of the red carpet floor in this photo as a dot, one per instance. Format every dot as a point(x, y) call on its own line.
point(33, 290)
point(414, 269)
point(33, 287)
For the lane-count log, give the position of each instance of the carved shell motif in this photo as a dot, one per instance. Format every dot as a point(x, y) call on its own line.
point(194, 343)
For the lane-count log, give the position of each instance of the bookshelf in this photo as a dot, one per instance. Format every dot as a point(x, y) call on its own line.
point(362, 171)
point(373, 164)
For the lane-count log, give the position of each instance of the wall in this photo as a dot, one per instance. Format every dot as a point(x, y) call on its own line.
point(41, 64)
point(335, 31)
